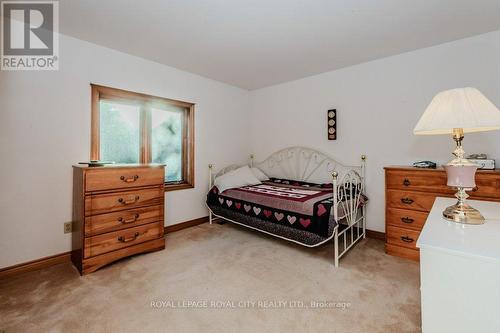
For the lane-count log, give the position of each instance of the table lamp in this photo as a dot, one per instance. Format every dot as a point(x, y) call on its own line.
point(455, 112)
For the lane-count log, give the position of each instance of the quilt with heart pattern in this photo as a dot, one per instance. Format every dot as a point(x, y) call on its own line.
point(298, 205)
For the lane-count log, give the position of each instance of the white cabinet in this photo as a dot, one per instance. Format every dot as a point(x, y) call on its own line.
point(460, 271)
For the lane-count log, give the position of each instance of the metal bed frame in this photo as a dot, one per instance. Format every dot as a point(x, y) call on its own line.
point(306, 164)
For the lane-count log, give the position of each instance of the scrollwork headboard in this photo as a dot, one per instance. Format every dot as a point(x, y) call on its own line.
point(304, 164)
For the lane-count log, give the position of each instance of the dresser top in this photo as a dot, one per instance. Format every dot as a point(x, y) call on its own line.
point(116, 165)
point(479, 241)
point(438, 169)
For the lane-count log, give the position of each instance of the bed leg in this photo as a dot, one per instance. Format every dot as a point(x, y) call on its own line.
point(210, 168)
point(336, 248)
point(363, 176)
point(364, 222)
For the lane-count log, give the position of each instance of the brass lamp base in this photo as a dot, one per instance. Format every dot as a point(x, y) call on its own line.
point(461, 174)
point(463, 213)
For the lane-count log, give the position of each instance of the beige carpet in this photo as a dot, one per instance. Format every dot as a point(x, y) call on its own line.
point(258, 284)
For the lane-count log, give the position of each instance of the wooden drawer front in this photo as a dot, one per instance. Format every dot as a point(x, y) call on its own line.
point(487, 186)
point(405, 218)
point(403, 252)
point(119, 178)
point(105, 203)
point(111, 241)
point(410, 200)
point(402, 237)
point(420, 181)
point(103, 223)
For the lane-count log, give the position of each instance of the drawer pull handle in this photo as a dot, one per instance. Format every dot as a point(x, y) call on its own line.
point(126, 240)
point(129, 180)
point(406, 182)
point(407, 239)
point(129, 201)
point(407, 220)
point(122, 220)
point(407, 201)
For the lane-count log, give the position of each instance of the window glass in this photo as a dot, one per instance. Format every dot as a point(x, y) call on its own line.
point(167, 128)
point(119, 132)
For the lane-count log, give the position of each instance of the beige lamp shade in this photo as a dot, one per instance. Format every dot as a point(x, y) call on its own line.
point(464, 108)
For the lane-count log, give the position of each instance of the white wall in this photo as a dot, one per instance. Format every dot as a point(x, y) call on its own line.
point(378, 105)
point(45, 128)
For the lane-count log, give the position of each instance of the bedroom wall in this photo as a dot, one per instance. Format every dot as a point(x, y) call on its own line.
point(45, 128)
point(378, 105)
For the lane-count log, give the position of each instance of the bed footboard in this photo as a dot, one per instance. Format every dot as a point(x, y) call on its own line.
point(349, 209)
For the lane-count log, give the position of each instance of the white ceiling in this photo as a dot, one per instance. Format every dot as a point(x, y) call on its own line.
point(257, 43)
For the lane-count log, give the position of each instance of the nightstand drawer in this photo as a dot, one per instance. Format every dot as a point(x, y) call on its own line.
point(111, 241)
point(410, 200)
point(99, 224)
point(105, 203)
point(406, 218)
point(402, 237)
point(122, 178)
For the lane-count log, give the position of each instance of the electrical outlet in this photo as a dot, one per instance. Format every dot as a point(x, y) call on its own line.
point(68, 227)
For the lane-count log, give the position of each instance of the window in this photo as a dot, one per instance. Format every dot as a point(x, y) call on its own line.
point(129, 127)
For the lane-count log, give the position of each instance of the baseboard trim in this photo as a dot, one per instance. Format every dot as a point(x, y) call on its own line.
point(35, 265)
point(185, 225)
point(65, 257)
point(60, 258)
point(375, 234)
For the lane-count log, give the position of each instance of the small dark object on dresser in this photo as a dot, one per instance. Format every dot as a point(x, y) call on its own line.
point(481, 156)
point(96, 163)
point(425, 164)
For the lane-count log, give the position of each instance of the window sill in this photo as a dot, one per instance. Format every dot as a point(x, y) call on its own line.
point(176, 187)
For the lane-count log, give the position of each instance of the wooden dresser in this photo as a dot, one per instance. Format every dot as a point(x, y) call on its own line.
point(409, 196)
point(118, 211)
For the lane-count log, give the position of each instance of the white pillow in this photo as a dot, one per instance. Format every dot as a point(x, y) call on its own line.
point(237, 178)
point(259, 174)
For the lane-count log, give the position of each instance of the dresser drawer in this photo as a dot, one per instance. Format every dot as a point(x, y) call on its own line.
point(410, 194)
point(487, 186)
point(402, 237)
point(111, 241)
point(410, 200)
point(117, 201)
point(431, 181)
point(406, 218)
point(403, 252)
point(122, 178)
point(103, 223)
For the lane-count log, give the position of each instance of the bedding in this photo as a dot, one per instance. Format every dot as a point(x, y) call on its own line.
point(259, 174)
point(293, 209)
point(281, 230)
point(240, 177)
point(297, 205)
